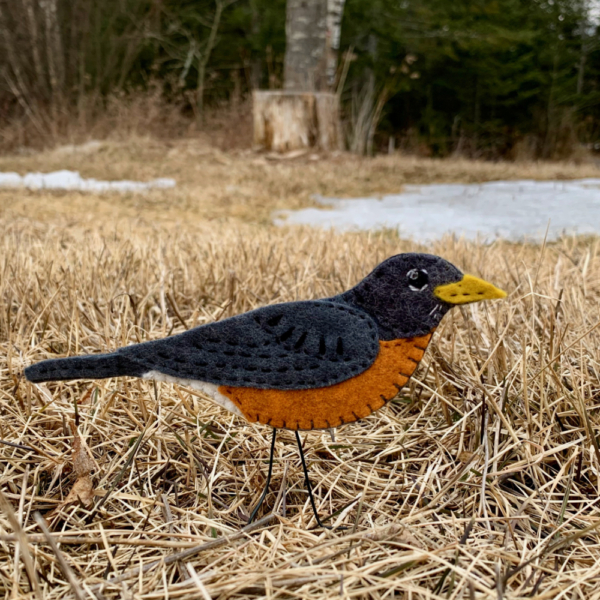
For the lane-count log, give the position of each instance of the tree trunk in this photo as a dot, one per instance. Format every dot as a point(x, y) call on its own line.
point(335, 11)
point(306, 113)
point(305, 66)
point(255, 61)
point(205, 56)
point(285, 121)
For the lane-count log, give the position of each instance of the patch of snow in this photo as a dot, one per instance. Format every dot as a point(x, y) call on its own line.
point(508, 209)
point(72, 181)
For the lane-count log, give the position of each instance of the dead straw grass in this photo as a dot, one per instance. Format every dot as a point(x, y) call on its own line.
point(215, 185)
point(479, 481)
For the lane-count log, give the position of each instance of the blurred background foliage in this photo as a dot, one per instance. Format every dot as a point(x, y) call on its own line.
point(479, 78)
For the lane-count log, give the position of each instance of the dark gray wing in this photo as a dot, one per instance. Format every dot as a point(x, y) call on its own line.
point(296, 345)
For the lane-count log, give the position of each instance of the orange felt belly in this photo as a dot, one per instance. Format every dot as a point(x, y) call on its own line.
point(350, 400)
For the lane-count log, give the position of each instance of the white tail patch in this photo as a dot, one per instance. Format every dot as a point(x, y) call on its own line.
point(210, 389)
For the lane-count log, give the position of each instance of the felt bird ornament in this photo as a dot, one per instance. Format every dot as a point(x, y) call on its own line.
point(306, 365)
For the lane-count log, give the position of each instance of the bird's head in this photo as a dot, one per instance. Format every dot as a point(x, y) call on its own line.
point(408, 294)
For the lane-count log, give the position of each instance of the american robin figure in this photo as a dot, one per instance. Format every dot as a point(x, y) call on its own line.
point(313, 364)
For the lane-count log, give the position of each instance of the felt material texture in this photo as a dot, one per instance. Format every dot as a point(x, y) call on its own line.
point(399, 294)
point(299, 346)
point(296, 345)
point(95, 366)
point(468, 289)
point(338, 404)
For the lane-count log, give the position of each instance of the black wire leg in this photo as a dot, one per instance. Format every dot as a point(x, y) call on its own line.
point(308, 485)
point(264, 494)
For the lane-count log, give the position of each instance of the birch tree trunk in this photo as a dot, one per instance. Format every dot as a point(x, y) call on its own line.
point(305, 66)
point(306, 113)
point(335, 12)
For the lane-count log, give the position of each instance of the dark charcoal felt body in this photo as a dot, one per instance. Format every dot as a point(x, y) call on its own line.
point(291, 346)
point(399, 311)
point(95, 366)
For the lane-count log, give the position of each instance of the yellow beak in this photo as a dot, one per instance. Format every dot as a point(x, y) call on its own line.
point(468, 289)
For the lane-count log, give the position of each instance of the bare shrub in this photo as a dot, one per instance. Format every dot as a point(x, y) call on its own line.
point(123, 115)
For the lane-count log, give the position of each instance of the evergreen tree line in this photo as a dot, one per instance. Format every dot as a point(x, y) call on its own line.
point(491, 78)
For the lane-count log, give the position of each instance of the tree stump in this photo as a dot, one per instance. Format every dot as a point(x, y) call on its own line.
point(288, 120)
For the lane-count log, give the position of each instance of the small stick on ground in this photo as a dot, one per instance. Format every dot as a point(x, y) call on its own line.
point(62, 562)
point(23, 545)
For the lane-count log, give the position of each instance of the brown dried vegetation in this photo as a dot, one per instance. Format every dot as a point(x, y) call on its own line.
point(225, 186)
point(480, 479)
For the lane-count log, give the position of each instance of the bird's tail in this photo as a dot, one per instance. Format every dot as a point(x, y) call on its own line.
point(99, 366)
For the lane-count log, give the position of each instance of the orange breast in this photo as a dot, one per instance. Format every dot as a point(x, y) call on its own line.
point(344, 402)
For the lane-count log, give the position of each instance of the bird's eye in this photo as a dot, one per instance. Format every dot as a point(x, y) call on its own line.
point(417, 279)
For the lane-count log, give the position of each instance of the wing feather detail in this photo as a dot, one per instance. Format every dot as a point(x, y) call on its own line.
point(291, 346)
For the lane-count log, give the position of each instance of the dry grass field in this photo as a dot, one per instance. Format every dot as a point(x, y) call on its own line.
point(480, 480)
point(236, 186)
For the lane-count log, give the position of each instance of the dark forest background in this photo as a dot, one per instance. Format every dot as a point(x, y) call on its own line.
point(480, 78)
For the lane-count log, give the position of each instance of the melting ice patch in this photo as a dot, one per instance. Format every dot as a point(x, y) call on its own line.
point(72, 180)
point(508, 209)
